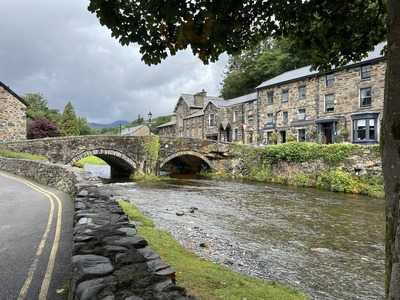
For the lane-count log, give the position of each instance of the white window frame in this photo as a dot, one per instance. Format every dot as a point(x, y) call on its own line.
point(270, 115)
point(334, 103)
point(211, 120)
point(284, 91)
point(285, 120)
point(333, 80)
point(235, 115)
point(359, 97)
point(305, 91)
point(369, 72)
point(272, 97)
point(298, 114)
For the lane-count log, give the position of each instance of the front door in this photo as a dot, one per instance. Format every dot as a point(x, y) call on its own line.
point(283, 136)
point(327, 133)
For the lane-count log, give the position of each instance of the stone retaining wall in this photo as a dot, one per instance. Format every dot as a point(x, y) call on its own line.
point(57, 176)
point(109, 260)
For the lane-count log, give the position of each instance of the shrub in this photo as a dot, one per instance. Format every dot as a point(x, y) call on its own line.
point(42, 128)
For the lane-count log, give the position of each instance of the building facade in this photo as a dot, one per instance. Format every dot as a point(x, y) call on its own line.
point(12, 115)
point(344, 105)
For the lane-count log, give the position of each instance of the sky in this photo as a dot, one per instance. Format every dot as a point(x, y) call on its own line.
point(59, 49)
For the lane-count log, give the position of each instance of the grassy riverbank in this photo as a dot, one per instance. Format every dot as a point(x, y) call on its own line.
point(92, 160)
point(20, 155)
point(204, 279)
point(307, 165)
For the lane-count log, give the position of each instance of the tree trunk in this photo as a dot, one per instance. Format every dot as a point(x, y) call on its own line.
point(391, 152)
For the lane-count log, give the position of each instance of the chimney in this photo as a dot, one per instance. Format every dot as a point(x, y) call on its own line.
point(200, 98)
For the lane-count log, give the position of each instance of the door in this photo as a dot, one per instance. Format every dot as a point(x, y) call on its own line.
point(283, 136)
point(327, 133)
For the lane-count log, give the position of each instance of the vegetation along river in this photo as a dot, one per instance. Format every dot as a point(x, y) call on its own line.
point(329, 245)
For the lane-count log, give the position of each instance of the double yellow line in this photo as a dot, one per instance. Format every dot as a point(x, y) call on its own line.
point(52, 258)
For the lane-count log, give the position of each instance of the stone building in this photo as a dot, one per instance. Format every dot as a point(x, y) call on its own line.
point(205, 117)
point(12, 115)
point(343, 105)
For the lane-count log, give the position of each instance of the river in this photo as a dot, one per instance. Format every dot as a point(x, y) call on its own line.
point(329, 245)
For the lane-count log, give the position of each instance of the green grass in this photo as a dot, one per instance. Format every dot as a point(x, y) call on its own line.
point(92, 160)
point(20, 155)
point(204, 279)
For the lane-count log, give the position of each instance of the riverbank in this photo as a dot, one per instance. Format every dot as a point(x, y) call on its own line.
point(329, 245)
point(201, 278)
point(347, 168)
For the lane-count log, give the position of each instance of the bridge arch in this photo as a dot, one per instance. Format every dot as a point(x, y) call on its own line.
point(186, 161)
point(121, 165)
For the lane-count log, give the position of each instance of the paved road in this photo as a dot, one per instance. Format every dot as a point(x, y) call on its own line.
point(35, 240)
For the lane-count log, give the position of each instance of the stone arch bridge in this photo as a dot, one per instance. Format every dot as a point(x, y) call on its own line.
point(127, 154)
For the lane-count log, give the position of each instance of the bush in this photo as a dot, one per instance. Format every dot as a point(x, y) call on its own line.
point(42, 128)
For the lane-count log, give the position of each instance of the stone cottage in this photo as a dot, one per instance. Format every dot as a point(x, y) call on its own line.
point(12, 115)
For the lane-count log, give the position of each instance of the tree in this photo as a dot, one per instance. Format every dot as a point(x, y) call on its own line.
point(38, 108)
point(262, 62)
point(69, 121)
point(84, 128)
point(42, 128)
point(334, 33)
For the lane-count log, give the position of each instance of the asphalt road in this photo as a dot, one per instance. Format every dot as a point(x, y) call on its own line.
point(35, 240)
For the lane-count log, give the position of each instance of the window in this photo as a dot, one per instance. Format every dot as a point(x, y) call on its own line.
point(329, 80)
point(365, 97)
point(270, 97)
point(302, 92)
point(301, 135)
point(269, 137)
point(364, 130)
point(270, 118)
point(366, 72)
point(211, 120)
point(235, 115)
point(330, 103)
point(285, 95)
point(285, 117)
point(301, 114)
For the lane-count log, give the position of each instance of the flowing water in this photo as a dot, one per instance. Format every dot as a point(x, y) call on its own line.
point(329, 245)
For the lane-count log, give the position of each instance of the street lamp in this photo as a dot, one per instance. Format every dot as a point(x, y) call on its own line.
point(150, 115)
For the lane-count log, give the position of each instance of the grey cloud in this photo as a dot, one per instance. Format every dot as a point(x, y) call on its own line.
point(59, 49)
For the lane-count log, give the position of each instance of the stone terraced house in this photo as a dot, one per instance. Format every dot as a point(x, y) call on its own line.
point(12, 115)
point(344, 105)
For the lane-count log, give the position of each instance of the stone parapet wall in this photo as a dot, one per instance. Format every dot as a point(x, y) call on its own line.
point(57, 176)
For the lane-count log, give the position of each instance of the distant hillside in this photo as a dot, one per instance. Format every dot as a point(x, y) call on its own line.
point(110, 125)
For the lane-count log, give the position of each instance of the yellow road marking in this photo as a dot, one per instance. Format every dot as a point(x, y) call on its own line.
point(50, 266)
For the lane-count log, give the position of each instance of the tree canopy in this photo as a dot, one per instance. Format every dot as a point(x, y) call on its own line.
point(262, 62)
point(334, 32)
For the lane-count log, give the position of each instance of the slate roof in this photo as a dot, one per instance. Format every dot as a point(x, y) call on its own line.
point(195, 114)
point(241, 99)
point(13, 93)
point(305, 72)
point(170, 123)
point(130, 130)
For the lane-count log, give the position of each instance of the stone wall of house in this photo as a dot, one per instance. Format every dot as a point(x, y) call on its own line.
point(194, 127)
point(169, 131)
point(271, 115)
point(12, 117)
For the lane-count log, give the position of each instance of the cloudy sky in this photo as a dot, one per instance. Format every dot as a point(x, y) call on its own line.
point(59, 49)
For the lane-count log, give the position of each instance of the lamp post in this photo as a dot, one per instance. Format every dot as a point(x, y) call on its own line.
point(150, 115)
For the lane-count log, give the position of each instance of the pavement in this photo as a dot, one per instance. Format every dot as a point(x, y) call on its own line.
point(35, 240)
